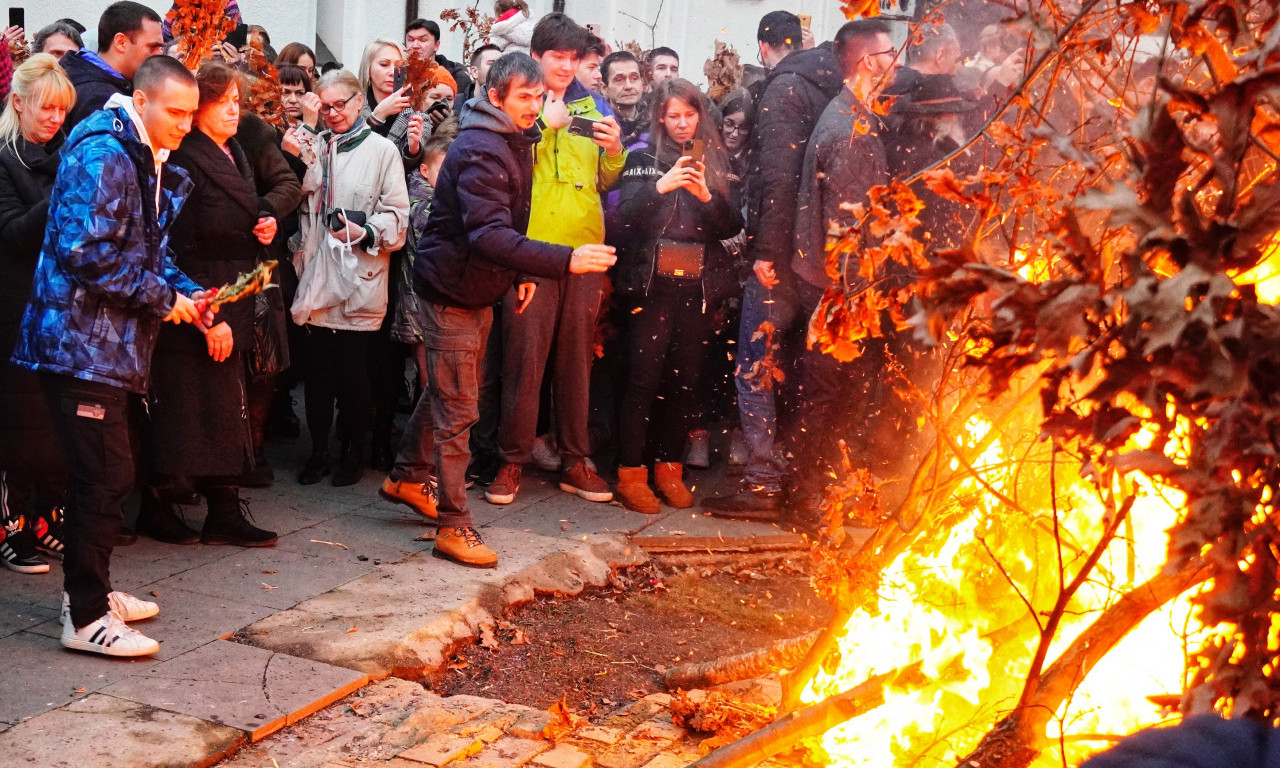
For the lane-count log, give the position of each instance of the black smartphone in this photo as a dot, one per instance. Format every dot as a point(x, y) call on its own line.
point(239, 36)
point(338, 217)
point(18, 17)
point(400, 76)
point(696, 148)
point(581, 126)
point(440, 106)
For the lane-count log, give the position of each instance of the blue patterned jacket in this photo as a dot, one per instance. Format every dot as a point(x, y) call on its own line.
point(105, 279)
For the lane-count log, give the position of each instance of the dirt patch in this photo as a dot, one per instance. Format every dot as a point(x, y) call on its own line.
point(608, 646)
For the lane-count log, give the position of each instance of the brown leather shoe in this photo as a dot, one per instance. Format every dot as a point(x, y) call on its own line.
point(634, 491)
point(669, 477)
point(578, 479)
point(419, 496)
point(464, 547)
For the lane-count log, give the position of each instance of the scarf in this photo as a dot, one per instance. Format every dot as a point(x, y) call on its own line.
point(335, 145)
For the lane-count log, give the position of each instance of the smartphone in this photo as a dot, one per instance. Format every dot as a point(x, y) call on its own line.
point(440, 105)
point(400, 77)
point(695, 148)
point(581, 126)
point(239, 36)
point(593, 29)
point(805, 20)
point(18, 17)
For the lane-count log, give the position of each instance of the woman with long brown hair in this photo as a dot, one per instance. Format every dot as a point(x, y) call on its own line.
point(678, 200)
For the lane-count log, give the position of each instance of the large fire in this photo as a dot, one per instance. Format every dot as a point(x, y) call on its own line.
point(959, 607)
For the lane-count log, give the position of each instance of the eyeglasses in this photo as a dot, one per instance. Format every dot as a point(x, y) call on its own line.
point(889, 52)
point(741, 128)
point(336, 106)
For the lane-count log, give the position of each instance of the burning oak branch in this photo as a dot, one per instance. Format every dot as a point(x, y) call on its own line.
point(1087, 543)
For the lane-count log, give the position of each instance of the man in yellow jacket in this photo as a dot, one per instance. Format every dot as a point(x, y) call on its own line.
point(580, 156)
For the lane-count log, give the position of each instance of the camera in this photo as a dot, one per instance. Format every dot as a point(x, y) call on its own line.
point(337, 218)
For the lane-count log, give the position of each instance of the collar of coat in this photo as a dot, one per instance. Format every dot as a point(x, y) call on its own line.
point(230, 174)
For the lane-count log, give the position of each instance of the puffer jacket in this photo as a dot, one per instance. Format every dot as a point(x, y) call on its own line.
point(650, 216)
point(105, 279)
point(475, 247)
point(570, 175)
point(513, 32)
point(795, 94)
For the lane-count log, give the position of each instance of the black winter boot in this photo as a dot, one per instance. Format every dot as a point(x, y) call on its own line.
point(228, 523)
point(158, 519)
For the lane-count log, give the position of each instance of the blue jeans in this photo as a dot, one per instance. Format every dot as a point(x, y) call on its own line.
point(437, 438)
point(757, 403)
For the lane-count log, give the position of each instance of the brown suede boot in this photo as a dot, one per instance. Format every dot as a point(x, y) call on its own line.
point(634, 491)
point(669, 477)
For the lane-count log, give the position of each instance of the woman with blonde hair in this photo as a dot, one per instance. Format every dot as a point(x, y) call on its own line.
point(32, 469)
point(353, 217)
point(388, 110)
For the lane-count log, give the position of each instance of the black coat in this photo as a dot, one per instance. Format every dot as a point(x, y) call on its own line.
point(795, 94)
point(650, 216)
point(27, 442)
point(94, 85)
point(474, 247)
point(198, 405)
point(27, 172)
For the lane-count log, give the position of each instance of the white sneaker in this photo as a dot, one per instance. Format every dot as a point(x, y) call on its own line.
point(546, 456)
point(122, 604)
point(699, 453)
point(108, 636)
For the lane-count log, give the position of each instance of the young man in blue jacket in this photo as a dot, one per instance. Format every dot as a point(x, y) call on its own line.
point(473, 251)
point(103, 285)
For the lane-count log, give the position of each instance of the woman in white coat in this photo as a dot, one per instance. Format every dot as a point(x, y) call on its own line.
point(354, 215)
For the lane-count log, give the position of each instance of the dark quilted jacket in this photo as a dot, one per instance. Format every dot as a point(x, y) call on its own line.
point(105, 279)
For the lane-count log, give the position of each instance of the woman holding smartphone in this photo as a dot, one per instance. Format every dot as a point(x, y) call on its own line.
point(678, 200)
point(354, 216)
point(389, 99)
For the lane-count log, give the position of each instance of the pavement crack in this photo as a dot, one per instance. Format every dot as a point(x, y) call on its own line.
point(266, 689)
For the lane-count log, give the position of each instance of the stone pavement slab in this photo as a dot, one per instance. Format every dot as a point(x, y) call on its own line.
point(368, 537)
point(16, 615)
point(50, 676)
point(106, 731)
point(248, 688)
point(276, 579)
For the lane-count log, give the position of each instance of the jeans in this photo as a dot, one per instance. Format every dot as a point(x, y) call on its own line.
point(668, 341)
point(484, 436)
point(437, 438)
point(562, 315)
point(92, 423)
point(757, 401)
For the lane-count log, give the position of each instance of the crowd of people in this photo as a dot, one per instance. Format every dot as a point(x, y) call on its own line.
point(577, 255)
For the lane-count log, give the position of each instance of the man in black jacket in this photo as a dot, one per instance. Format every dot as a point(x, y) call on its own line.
point(128, 34)
point(422, 38)
point(845, 159)
point(473, 250)
point(800, 85)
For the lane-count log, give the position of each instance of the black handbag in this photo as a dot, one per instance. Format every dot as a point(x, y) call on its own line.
point(270, 353)
point(675, 258)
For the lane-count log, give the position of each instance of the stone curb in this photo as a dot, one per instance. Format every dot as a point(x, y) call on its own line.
point(407, 619)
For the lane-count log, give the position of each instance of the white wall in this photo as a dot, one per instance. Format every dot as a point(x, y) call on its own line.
point(691, 27)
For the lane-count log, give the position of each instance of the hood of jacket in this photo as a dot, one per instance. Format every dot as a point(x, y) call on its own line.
point(479, 113)
point(817, 65)
point(81, 69)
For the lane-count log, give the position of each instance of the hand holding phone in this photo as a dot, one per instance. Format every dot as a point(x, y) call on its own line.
point(696, 149)
point(582, 126)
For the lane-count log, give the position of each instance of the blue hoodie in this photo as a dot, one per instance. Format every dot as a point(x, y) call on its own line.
point(105, 278)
